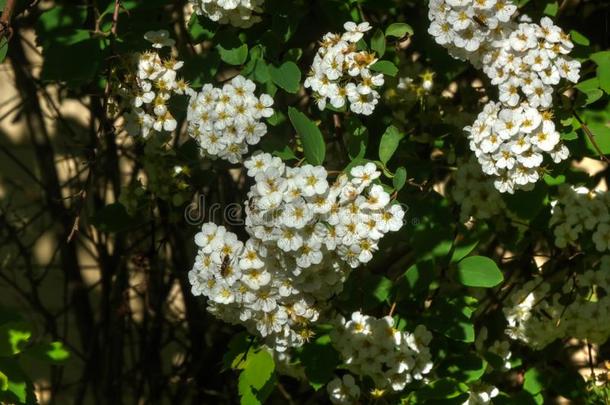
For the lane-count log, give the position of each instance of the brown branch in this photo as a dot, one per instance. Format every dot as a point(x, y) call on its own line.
point(5, 19)
point(591, 137)
point(115, 17)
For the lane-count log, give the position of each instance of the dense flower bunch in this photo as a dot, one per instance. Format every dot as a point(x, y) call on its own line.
point(578, 211)
point(305, 235)
point(475, 193)
point(343, 391)
point(373, 347)
point(468, 28)
point(537, 315)
point(238, 13)
point(341, 73)
point(245, 287)
point(312, 220)
point(525, 60)
point(147, 91)
point(510, 144)
point(529, 62)
point(224, 121)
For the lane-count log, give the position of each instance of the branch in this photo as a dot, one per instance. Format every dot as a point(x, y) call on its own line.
point(591, 137)
point(5, 20)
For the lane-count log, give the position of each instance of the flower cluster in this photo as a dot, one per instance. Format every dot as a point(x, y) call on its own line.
point(343, 391)
point(537, 314)
point(305, 235)
point(475, 193)
point(148, 90)
point(224, 121)
point(525, 60)
point(373, 347)
point(580, 210)
point(510, 144)
point(340, 73)
point(529, 62)
point(468, 28)
point(238, 13)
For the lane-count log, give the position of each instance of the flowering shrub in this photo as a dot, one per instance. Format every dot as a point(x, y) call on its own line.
point(305, 202)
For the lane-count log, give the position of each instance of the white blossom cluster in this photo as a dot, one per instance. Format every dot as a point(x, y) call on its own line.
point(524, 60)
point(468, 28)
point(305, 235)
point(537, 315)
point(510, 144)
point(340, 73)
point(529, 62)
point(224, 121)
point(238, 13)
point(343, 391)
point(320, 227)
point(373, 347)
point(578, 211)
point(148, 90)
point(475, 193)
point(243, 286)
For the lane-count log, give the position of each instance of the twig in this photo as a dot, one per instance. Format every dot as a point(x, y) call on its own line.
point(115, 17)
point(591, 137)
point(5, 19)
point(392, 309)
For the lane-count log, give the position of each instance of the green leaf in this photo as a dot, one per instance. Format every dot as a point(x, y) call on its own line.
point(602, 59)
point(386, 67)
point(236, 355)
point(466, 368)
point(19, 389)
point(579, 38)
point(451, 317)
point(444, 388)
point(463, 249)
point(59, 19)
point(590, 88)
point(233, 56)
point(287, 76)
point(551, 9)
point(13, 336)
point(479, 271)
point(400, 178)
point(78, 46)
point(53, 352)
point(527, 204)
point(398, 30)
point(198, 32)
point(601, 134)
point(314, 147)
point(389, 143)
point(257, 379)
point(320, 360)
point(3, 381)
point(3, 49)
point(378, 42)
point(533, 381)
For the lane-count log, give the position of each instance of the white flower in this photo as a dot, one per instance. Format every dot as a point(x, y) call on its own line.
point(355, 32)
point(238, 13)
point(343, 391)
point(159, 39)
